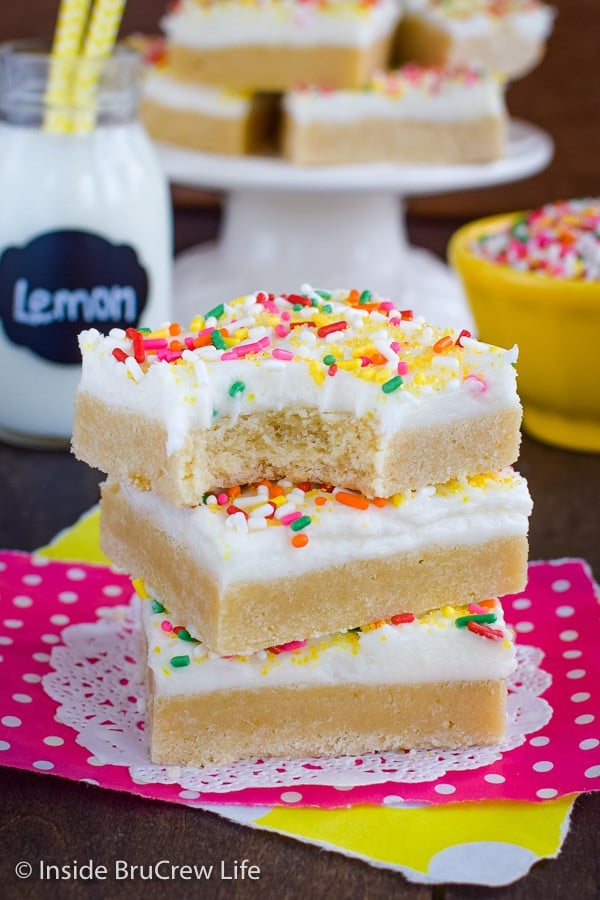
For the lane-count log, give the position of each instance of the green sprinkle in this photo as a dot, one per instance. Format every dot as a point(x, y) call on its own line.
point(326, 308)
point(215, 413)
point(325, 295)
point(157, 607)
point(145, 330)
point(179, 662)
point(314, 301)
point(205, 497)
point(392, 385)
point(481, 619)
point(217, 312)
point(238, 387)
point(329, 360)
point(365, 297)
point(297, 307)
point(299, 524)
point(184, 635)
point(217, 339)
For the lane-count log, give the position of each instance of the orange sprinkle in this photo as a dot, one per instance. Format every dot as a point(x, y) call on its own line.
point(378, 359)
point(352, 500)
point(300, 540)
point(176, 345)
point(266, 483)
point(320, 501)
point(174, 328)
point(275, 490)
point(487, 604)
point(353, 297)
point(234, 491)
point(443, 344)
point(203, 341)
point(379, 501)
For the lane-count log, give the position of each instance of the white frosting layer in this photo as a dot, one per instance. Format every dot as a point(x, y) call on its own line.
point(160, 88)
point(430, 649)
point(438, 388)
point(466, 20)
point(233, 550)
point(280, 23)
point(450, 103)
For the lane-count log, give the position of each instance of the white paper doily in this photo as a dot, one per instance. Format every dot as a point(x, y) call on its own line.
point(98, 682)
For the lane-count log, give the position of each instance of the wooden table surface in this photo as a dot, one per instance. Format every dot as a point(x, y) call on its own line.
point(42, 816)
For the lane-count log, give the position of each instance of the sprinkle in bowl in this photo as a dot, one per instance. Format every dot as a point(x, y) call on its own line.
point(550, 307)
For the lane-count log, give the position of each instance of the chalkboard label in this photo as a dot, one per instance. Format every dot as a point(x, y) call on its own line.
point(62, 282)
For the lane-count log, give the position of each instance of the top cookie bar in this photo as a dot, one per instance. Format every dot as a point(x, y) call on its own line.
point(337, 387)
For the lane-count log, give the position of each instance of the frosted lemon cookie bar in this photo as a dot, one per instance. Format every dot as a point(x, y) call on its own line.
point(507, 36)
point(334, 387)
point(275, 562)
point(276, 44)
point(207, 119)
point(432, 681)
point(429, 115)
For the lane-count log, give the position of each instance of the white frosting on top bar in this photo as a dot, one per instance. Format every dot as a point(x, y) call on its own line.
point(274, 357)
point(235, 549)
point(479, 18)
point(398, 96)
point(160, 88)
point(280, 23)
point(429, 649)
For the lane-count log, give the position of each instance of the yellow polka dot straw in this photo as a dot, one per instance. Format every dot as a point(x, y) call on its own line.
point(68, 37)
point(75, 61)
point(100, 39)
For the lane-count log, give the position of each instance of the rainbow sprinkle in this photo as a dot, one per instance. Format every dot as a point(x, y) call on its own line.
point(560, 240)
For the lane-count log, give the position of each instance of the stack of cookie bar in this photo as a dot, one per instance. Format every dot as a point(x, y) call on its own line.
point(329, 67)
point(313, 492)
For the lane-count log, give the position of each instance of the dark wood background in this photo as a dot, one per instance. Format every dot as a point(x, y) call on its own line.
point(562, 96)
point(46, 817)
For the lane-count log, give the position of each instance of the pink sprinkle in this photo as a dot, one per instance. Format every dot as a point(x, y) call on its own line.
point(286, 316)
point(365, 361)
point(271, 307)
point(477, 383)
point(281, 330)
point(206, 331)
point(280, 353)
point(292, 645)
point(189, 343)
point(155, 343)
point(229, 354)
point(291, 517)
point(396, 321)
point(166, 625)
point(396, 346)
point(168, 355)
point(402, 367)
point(386, 305)
point(222, 499)
point(256, 347)
point(477, 610)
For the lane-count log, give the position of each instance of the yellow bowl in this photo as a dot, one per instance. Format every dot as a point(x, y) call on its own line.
point(555, 322)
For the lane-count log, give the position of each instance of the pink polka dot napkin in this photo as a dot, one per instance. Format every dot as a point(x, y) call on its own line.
point(558, 612)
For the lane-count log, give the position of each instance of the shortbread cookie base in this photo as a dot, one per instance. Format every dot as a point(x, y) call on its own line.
point(298, 444)
point(503, 50)
point(248, 616)
point(247, 134)
point(401, 141)
point(225, 726)
point(278, 67)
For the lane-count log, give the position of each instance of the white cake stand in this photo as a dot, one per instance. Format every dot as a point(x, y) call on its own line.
point(340, 226)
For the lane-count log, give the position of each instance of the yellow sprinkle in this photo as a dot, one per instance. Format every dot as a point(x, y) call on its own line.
point(317, 372)
point(140, 588)
point(157, 649)
point(506, 644)
point(250, 397)
point(159, 333)
point(278, 501)
point(397, 500)
point(448, 611)
point(197, 323)
point(351, 365)
point(241, 334)
point(166, 671)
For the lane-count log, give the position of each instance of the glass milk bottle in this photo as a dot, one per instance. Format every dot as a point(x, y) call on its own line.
point(85, 234)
